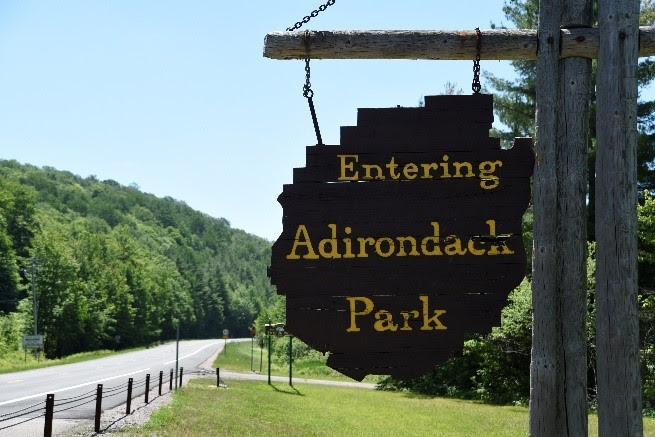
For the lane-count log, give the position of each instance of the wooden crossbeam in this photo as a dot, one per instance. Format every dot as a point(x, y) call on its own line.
point(499, 44)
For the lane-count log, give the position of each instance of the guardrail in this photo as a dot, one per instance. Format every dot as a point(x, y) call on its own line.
point(51, 406)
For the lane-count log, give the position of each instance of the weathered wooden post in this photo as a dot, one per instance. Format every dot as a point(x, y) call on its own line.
point(572, 169)
point(558, 369)
point(617, 327)
point(544, 366)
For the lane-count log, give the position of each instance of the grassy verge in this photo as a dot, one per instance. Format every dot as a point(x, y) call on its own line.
point(18, 361)
point(237, 358)
point(256, 409)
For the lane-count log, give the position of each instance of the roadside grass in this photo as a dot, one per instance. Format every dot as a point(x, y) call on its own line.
point(236, 357)
point(19, 361)
point(248, 408)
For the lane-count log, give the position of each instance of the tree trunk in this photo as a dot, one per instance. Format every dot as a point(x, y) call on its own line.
point(617, 328)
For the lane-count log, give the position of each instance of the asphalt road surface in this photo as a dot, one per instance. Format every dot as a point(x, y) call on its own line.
point(74, 385)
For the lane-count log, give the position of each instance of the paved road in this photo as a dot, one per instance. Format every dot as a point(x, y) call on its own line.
point(74, 385)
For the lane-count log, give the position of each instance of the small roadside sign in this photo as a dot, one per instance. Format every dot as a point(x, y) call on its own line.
point(226, 333)
point(32, 341)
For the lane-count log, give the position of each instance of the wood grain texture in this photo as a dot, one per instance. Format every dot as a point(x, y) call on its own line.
point(509, 44)
point(573, 126)
point(617, 330)
point(545, 419)
point(398, 212)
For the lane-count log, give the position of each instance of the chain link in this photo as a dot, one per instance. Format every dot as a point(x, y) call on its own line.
point(476, 86)
point(307, 91)
point(313, 14)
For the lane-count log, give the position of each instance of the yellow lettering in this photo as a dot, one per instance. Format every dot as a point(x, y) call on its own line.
point(454, 248)
point(368, 307)
point(458, 169)
point(369, 167)
point(488, 179)
point(348, 243)
point(426, 170)
point(401, 251)
point(362, 246)
point(473, 250)
point(378, 247)
point(333, 253)
point(406, 315)
point(302, 231)
point(392, 166)
point(434, 240)
point(444, 165)
point(348, 166)
point(410, 171)
point(494, 247)
point(386, 323)
point(434, 319)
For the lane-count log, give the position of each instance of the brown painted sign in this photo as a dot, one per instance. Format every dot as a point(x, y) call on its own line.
point(404, 238)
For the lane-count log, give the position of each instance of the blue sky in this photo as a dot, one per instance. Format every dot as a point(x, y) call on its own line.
point(176, 97)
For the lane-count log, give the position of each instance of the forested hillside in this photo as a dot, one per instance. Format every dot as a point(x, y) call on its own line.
point(116, 267)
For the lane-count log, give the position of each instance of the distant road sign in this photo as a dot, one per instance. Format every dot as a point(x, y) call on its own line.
point(226, 333)
point(32, 341)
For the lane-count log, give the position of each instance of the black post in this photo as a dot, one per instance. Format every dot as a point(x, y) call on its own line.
point(49, 409)
point(269, 360)
point(128, 406)
point(161, 378)
point(181, 372)
point(290, 360)
point(147, 387)
point(177, 352)
point(98, 407)
point(218, 377)
point(170, 382)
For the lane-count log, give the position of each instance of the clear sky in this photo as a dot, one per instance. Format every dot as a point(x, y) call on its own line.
point(176, 97)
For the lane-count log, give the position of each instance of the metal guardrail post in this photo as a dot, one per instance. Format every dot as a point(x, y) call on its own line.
point(49, 410)
point(128, 406)
point(98, 407)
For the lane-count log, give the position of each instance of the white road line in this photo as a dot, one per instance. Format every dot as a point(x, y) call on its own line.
point(72, 387)
point(192, 353)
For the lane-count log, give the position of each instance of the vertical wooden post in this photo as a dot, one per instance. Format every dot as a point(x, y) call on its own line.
point(572, 162)
point(98, 407)
point(181, 373)
point(617, 327)
point(218, 377)
point(161, 378)
point(544, 365)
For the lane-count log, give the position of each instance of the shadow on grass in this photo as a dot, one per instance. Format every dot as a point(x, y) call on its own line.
point(291, 390)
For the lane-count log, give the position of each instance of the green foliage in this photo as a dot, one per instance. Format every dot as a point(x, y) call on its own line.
point(118, 268)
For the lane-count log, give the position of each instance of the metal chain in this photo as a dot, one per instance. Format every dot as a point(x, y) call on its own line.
point(307, 91)
point(476, 63)
point(313, 14)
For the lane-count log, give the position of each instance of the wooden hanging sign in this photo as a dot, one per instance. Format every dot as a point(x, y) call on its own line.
point(404, 238)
